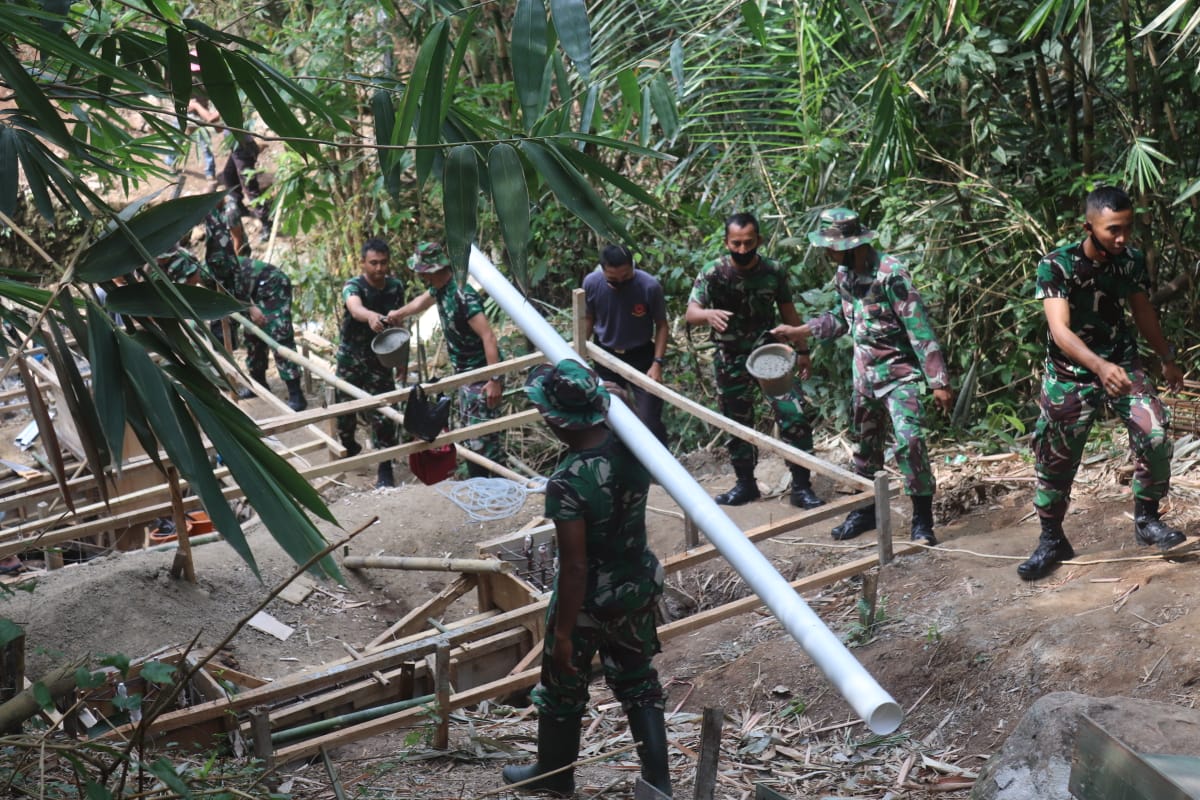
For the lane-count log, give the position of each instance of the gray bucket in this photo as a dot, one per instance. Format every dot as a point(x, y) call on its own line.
point(391, 348)
point(773, 366)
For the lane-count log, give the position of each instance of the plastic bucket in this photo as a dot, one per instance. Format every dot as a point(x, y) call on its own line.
point(391, 348)
point(773, 366)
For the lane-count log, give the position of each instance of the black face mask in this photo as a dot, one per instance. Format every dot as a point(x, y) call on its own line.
point(743, 259)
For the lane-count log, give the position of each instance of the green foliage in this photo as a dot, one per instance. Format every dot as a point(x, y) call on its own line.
point(871, 619)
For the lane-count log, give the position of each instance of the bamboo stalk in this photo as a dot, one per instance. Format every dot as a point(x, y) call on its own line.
point(427, 563)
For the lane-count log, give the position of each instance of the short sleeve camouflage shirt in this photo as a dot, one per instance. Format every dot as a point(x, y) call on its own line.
point(753, 297)
point(456, 307)
point(1097, 295)
point(607, 487)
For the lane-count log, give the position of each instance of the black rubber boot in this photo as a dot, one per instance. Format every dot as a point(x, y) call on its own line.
point(857, 522)
point(745, 490)
point(1151, 530)
point(650, 732)
point(922, 519)
point(477, 470)
point(558, 746)
point(383, 476)
point(802, 494)
point(353, 448)
point(295, 401)
point(1053, 548)
point(258, 377)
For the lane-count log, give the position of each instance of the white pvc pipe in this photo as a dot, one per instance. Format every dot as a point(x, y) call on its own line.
point(876, 707)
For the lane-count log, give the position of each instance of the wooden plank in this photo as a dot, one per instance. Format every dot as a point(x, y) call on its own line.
point(262, 621)
point(805, 584)
point(579, 323)
point(834, 508)
point(505, 591)
point(785, 451)
point(1104, 768)
point(710, 753)
point(414, 620)
point(883, 517)
point(298, 590)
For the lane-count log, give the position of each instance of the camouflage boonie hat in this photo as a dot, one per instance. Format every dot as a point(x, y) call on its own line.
point(568, 394)
point(179, 265)
point(841, 230)
point(429, 257)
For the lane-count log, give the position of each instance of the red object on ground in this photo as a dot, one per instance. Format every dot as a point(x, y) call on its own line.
point(433, 465)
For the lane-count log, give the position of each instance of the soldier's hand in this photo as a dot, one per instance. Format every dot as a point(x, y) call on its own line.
point(1173, 375)
point(655, 372)
point(378, 323)
point(493, 391)
point(563, 651)
point(257, 316)
point(944, 398)
point(1114, 379)
point(718, 319)
point(803, 365)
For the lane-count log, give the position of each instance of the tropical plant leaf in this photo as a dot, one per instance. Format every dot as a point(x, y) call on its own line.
point(529, 57)
point(30, 98)
point(429, 125)
point(575, 193)
point(107, 375)
point(49, 436)
point(460, 193)
point(154, 231)
point(220, 86)
point(145, 299)
point(575, 33)
point(510, 198)
point(664, 106)
point(179, 71)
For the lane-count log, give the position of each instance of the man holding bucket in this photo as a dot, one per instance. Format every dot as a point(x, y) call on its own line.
point(895, 353)
point(370, 300)
point(738, 296)
point(470, 340)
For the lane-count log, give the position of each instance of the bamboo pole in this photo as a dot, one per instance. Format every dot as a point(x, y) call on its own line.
point(426, 563)
point(183, 557)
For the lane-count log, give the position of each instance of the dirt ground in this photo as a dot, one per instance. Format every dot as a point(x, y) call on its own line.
point(963, 645)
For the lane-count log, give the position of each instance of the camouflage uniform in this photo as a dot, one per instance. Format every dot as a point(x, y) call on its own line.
point(1071, 394)
point(356, 363)
point(894, 349)
point(179, 264)
point(220, 254)
point(606, 486)
point(268, 287)
point(753, 298)
point(456, 307)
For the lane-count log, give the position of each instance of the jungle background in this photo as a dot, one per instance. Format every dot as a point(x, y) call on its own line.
point(967, 134)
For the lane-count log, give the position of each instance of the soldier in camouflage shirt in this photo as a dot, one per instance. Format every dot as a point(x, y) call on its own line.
point(471, 342)
point(224, 241)
point(371, 301)
point(607, 583)
point(268, 290)
point(1092, 361)
point(742, 296)
point(896, 354)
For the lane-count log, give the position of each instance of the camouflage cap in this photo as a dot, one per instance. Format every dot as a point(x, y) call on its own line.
point(841, 230)
point(568, 394)
point(429, 257)
point(179, 264)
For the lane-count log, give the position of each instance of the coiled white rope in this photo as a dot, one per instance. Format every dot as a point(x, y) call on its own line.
point(486, 499)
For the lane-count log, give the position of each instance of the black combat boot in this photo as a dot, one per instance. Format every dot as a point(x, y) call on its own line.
point(353, 448)
point(922, 519)
point(650, 732)
point(558, 746)
point(1053, 548)
point(383, 476)
point(1151, 530)
point(296, 400)
point(477, 470)
point(246, 393)
point(802, 493)
point(857, 522)
point(745, 490)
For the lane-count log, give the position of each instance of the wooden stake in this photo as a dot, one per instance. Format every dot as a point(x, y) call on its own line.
point(710, 753)
point(883, 517)
point(183, 557)
point(441, 734)
point(260, 727)
point(579, 321)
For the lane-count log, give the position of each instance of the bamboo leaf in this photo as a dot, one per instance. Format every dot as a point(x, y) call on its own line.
point(529, 56)
point(569, 187)
point(179, 72)
point(79, 404)
point(384, 112)
point(157, 229)
point(631, 93)
point(30, 99)
point(754, 21)
point(49, 436)
point(510, 198)
point(9, 173)
point(106, 381)
point(219, 85)
point(460, 187)
point(677, 66)
point(575, 32)
point(664, 106)
point(145, 299)
point(429, 126)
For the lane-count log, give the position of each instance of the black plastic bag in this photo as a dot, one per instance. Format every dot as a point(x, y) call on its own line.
point(425, 418)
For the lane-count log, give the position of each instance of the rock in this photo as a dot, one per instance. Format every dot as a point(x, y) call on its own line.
point(1035, 760)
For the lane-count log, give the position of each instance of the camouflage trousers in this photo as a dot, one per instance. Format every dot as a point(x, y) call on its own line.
point(365, 372)
point(472, 410)
point(275, 301)
point(737, 392)
point(627, 645)
point(869, 417)
point(1067, 412)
